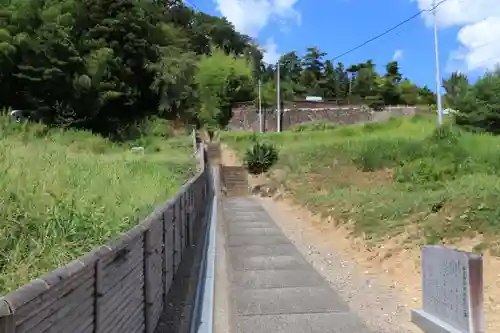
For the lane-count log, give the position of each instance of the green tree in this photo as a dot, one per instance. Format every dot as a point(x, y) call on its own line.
point(220, 79)
point(390, 90)
point(365, 82)
point(393, 73)
point(269, 96)
point(291, 67)
point(107, 65)
point(342, 83)
point(426, 96)
point(479, 106)
point(329, 83)
point(409, 93)
point(456, 88)
point(312, 73)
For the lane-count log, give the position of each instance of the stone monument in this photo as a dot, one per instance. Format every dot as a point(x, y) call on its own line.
point(452, 292)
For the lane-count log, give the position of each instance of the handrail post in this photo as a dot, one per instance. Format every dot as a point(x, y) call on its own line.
point(147, 267)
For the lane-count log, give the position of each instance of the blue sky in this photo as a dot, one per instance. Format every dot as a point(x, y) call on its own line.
point(468, 31)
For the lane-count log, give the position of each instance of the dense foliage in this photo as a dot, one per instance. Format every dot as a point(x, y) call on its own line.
point(108, 65)
point(104, 65)
point(478, 104)
point(221, 81)
point(358, 83)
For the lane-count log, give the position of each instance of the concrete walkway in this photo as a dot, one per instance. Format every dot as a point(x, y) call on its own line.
point(273, 289)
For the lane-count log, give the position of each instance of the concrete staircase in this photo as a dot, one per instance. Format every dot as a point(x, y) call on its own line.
point(272, 287)
point(234, 181)
point(213, 152)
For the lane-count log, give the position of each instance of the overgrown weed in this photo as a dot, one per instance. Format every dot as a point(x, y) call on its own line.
point(446, 182)
point(62, 192)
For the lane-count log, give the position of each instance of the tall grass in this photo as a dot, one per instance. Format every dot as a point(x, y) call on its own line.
point(64, 192)
point(397, 176)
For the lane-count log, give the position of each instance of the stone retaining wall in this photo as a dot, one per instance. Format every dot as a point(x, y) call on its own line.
point(247, 118)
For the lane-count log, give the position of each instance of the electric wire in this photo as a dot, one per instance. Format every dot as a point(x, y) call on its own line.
point(411, 18)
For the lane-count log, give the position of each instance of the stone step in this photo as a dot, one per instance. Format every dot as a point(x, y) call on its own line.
point(236, 193)
point(329, 322)
point(235, 175)
point(235, 181)
point(236, 184)
point(213, 151)
point(273, 287)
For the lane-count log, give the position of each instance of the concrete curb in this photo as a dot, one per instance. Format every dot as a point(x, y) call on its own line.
point(203, 318)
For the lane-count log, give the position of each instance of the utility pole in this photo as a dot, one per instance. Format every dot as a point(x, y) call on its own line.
point(260, 108)
point(278, 101)
point(350, 89)
point(438, 76)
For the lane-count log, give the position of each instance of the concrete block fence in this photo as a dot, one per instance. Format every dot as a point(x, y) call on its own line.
point(119, 287)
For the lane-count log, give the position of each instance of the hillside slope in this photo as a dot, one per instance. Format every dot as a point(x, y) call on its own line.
point(64, 192)
point(385, 177)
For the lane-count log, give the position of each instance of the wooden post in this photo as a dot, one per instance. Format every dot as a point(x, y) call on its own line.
point(176, 239)
point(98, 283)
point(148, 297)
point(164, 260)
point(205, 189)
point(7, 322)
point(191, 215)
point(195, 214)
point(186, 220)
point(168, 249)
point(181, 225)
point(195, 144)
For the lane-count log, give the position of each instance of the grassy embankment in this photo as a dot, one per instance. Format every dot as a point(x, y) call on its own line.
point(396, 178)
point(64, 192)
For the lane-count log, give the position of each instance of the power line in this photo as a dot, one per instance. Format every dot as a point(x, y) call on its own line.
point(391, 29)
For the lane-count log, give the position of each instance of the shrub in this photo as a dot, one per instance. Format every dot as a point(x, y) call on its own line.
point(260, 157)
point(157, 127)
point(370, 155)
point(425, 171)
point(446, 134)
point(346, 131)
point(313, 126)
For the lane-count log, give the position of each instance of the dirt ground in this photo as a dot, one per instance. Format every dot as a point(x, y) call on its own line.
point(394, 267)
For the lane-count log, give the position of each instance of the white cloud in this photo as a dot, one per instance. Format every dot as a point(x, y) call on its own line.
point(398, 54)
point(270, 50)
point(460, 12)
point(251, 16)
point(479, 22)
point(480, 44)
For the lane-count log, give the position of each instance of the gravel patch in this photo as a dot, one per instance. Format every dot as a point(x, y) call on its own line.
point(376, 301)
